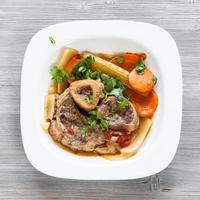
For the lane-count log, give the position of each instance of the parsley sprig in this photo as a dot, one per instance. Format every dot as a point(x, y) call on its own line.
point(58, 75)
point(112, 86)
point(140, 67)
point(83, 130)
point(83, 69)
point(95, 119)
point(90, 99)
point(154, 79)
point(120, 59)
point(122, 103)
point(52, 40)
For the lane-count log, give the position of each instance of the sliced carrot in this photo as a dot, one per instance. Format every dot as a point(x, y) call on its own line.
point(142, 83)
point(128, 61)
point(73, 61)
point(145, 106)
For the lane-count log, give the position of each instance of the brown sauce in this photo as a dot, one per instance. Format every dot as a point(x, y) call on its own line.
point(78, 153)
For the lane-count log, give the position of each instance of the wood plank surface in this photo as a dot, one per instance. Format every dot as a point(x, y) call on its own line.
point(19, 21)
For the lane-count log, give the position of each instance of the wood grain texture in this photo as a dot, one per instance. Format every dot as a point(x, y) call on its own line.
point(19, 20)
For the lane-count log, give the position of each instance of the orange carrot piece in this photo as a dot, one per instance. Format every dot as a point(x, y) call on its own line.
point(73, 61)
point(141, 83)
point(145, 106)
point(128, 61)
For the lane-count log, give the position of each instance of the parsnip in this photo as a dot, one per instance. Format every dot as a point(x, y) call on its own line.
point(66, 56)
point(49, 106)
point(52, 88)
point(45, 126)
point(109, 68)
point(140, 135)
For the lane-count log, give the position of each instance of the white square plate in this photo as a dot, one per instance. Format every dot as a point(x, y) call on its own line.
point(102, 36)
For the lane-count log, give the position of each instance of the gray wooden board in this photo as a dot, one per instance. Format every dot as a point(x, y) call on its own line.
point(19, 20)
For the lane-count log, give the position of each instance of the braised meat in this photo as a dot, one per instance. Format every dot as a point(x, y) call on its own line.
point(125, 119)
point(69, 127)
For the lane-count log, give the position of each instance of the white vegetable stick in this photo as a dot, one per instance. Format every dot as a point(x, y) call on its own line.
point(109, 68)
point(66, 56)
point(45, 126)
point(52, 87)
point(140, 135)
point(49, 106)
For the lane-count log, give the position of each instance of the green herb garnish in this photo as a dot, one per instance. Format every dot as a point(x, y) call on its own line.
point(122, 103)
point(118, 92)
point(52, 40)
point(112, 86)
point(95, 119)
point(103, 124)
point(94, 75)
point(92, 122)
point(119, 59)
point(83, 130)
point(154, 79)
point(83, 69)
point(90, 99)
point(96, 114)
point(58, 75)
point(109, 82)
point(140, 67)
